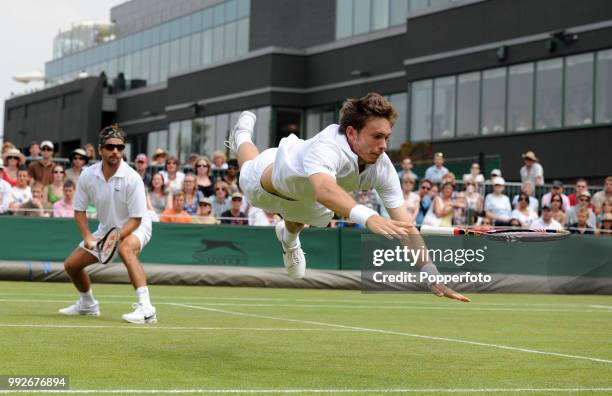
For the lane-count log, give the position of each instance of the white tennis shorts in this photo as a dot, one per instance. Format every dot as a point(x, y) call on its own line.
point(143, 233)
point(313, 214)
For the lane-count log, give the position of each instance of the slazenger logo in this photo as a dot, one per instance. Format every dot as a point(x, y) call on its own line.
point(208, 255)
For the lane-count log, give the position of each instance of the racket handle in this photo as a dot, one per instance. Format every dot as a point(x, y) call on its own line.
point(433, 230)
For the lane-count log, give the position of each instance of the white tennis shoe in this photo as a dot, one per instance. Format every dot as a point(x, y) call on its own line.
point(141, 314)
point(293, 257)
point(80, 308)
point(245, 123)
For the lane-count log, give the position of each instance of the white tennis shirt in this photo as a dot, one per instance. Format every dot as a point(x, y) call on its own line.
point(117, 200)
point(329, 152)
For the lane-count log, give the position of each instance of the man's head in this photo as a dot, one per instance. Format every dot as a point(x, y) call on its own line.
point(608, 185)
point(34, 149)
point(407, 164)
point(438, 159)
point(232, 167)
point(581, 185)
point(204, 206)
point(46, 148)
point(367, 124)
point(37, 191)
point(236, 201)
point(68, 190)
point(22, 177)
point(425, 187)
point(546, 213)
point(159, 156)
point(529, 158)
point(584, 199)
point(557, 187)
point(78, 158)
point(582, 216)
point(141, 162)
point(111, 144)
point(178, 201)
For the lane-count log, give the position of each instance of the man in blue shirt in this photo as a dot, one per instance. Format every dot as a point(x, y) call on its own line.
point(437, 170)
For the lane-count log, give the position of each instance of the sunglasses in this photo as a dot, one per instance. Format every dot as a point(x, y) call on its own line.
point(15, 158)
point(425, 188)
point(58, 172)
point(201, 166)
point(46, 149)
point(204, 204)
point(219, 189)
point(111, 147)
point(78, 157)
point(523, 199)
point(236, 199)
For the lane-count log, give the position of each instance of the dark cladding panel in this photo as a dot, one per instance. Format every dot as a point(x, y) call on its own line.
point(291, 23)
point(147, 104)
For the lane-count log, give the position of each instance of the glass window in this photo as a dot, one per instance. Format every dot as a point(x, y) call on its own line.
point(137, 65)
point(222, 130)
point(548, 93)
point(400, 129)
point(230, 40)
point(164, 61)
point(262, 127)
point(208, 140)
point(207, 47)
point(155, 78)
point(155, 32)
point(579, 90)
point(145, 61)
point(175, 50)
point(146, 38)
point(198, 136)
point(468, 102)
point(196, 22)
point(173, 141)
point(207, 18)
point(218, 44)
point(444, 108)
point(603, 96)
point(128, 67)
point(420, 110)
point(196, 50)
point(218, 15)
point(520, 98)
point(185, 49)
point(493, 101)
point(362, 16)
point(175, 29)
point(244, 8)
point(185, 141)
point(138, 41)
point(380, 14)
point(157, 139)
point(164, 32)
point(417, 5)
point(313, 122)
point(231, 10)
point(344, 18)
point(398, 11)
point(242, 37)
point(185, 23)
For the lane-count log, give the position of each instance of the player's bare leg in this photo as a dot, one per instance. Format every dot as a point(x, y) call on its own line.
point(75, 267)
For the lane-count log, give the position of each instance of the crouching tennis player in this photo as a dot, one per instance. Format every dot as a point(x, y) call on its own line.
point(118, 194)
point(306, 181)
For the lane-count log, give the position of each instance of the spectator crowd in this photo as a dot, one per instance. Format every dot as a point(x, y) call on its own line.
point(206, 191)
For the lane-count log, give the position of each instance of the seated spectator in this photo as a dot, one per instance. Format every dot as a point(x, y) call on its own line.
point(192, 195)
point(221, 202)
point(13, 160)
point(176, 214)
point(532, 170)
point(42, 170)
point(557, 187)
point(474, 202)
point(581, 185)
point(234, 215)
point(603, 195)
point(406, 165)
point(523, 213)
point(529, 189)
point(231, 177)
point(219, 160)
point(449, 177)
point(411, 198)
point(584, 201)
point(515, 223)
point(202, 171)
point(34, 150)
point(497, 204)
point(558, 214)
point(484, 222)
point(141, 164)
point(158, 198)
point(495, 173)
point(55, 191)
point(581, 226)
point(173, 178)
point(606, 207)
point(605, 227)
point(36, 207)
point(21, 192)
point(424, 200)
point(442, 209)
point(204, 214)
point(78, 161)
point(474, 175)
point(64, 208)
point(5, 191)
point(434, 192)
point(159, 157)
point(90, 150)
point(546, 222)
point(435, 172)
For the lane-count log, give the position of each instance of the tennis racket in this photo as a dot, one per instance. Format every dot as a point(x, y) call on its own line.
point(108, 246)
point(499, 234)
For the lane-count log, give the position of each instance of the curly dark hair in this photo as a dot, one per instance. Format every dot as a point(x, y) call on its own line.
point(356, 112)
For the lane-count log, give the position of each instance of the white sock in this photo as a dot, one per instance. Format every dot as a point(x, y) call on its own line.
point(88, 297)
point(290, 238)
point(143, 296)
point(242, 136)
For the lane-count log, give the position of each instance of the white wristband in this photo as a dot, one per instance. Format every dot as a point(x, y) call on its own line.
point(360, 214)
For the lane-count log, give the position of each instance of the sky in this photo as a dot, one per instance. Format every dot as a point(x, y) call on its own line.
point(27, 29)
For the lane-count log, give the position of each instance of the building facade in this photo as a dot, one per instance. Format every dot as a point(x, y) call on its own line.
point(470, 78)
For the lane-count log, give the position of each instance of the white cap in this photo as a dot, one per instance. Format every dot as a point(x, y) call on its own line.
point(47, 143)
point(496, 172)
point(499, 181)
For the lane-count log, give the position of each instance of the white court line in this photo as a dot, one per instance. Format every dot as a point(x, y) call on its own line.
point(312, 391)
point(455, 307)
point(601, 306)
point(263, 329)
point(455, 340)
